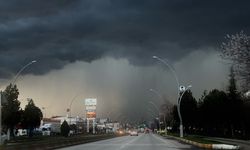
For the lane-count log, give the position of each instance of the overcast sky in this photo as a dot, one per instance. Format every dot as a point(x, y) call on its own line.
point(104, 49)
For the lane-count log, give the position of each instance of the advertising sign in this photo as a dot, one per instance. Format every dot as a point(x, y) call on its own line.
point(91, 114)
point(90, 110)
point(90, 101)
point(90, 107)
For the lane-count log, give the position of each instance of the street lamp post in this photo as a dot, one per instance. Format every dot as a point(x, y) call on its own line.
point(157, 93)
point(160, 96)
point(14, 80)
point(178, 108)
point(43, 108)
point(155, 116)
point(71, 102)
point(178, 90)
point(247, 94)
point(172, 70)
point(158, 110)
point(22, 69)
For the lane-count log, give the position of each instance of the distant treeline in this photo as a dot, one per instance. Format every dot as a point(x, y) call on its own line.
point(216, 113)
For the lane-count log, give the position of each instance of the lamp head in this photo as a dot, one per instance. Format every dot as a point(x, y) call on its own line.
point(247, 94)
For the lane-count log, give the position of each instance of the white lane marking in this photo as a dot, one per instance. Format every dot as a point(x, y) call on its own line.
point(127, 144)
point(124, 145)
point(112, 140)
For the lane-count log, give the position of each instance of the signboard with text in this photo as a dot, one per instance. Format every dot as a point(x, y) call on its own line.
point(90, 107)
point(91, 114)
point(90, 101)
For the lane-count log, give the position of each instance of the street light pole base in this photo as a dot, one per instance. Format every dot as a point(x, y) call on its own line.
point(181, 131)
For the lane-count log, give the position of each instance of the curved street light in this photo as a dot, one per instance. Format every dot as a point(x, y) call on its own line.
point(179, 111)
point(157, 93)
point(152, 112)
point(14, 80)
point(247, 94)
point(178, 90)
point(71, 102)
point(160, 96)
point(21, 70)
point(158, 110)
point(172, 70)
point(152, 103)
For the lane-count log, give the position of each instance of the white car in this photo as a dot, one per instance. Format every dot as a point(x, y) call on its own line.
point(133, 133)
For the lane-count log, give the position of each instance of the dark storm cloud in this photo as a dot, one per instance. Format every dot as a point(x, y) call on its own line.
point(62, 31)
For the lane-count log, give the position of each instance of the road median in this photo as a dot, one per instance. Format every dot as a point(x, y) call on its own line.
point(56, 142)
point(201, 142)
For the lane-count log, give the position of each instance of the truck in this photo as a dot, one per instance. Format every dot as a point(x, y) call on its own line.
point(51, 128)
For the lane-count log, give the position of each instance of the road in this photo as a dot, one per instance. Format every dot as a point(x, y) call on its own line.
point(141, 142)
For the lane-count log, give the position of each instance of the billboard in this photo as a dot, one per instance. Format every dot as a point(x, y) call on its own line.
point(90, 104)
point(90, 101)
point(91, 114)
point(93, 107)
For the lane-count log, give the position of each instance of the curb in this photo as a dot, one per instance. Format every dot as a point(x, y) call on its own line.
point(207, 146)
point(225, 146)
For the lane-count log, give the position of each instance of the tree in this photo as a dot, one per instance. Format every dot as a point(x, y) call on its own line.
point(166, 108)
point(188, 109)
point(65, 129)
point(213, 109)
point(11, 109)
point(176, 120)
point(246, 124)
point(31, 117)
point(237, 49)
point(234, 103)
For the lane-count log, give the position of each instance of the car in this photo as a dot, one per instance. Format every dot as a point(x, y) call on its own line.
point(120, 132)
point(133, 133)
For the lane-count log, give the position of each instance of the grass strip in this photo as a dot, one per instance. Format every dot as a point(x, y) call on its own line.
point(54, 142)
point(196, 138)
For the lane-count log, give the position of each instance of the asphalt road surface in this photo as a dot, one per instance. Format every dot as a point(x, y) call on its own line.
point(141, 142)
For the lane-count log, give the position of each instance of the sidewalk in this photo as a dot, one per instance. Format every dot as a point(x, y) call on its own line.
point(244, 144)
